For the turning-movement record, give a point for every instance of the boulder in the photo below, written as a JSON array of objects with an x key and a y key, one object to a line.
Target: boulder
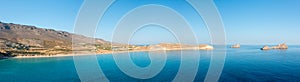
[{"x": 2, "y": 51}]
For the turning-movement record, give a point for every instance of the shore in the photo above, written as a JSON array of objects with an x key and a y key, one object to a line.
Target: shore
[
  {"x": 77, "y": 54},
  {"x": 86, "y": 53}
]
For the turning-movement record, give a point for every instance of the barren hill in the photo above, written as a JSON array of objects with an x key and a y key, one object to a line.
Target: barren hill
[{"x": 24, "y": 37}]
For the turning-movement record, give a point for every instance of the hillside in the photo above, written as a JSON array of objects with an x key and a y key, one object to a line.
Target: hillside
[{"x": 25, "y": 39}]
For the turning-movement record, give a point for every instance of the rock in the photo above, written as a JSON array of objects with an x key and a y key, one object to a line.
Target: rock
[
  {"x": 265, "y": 48},
  {"x": 236, "y": 46},
  {"x": 279, "y": 46},
  {"x": 205, "y": 47},
  {"x": 2, "y": 51},
  {"x": 17, "y": 46}
]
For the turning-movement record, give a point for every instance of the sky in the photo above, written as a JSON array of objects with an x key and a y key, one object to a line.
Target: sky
[{"x": 245, "y": 21}]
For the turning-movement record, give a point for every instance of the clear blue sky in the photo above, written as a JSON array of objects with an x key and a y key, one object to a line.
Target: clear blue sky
[{"x": 245, "y": 21}]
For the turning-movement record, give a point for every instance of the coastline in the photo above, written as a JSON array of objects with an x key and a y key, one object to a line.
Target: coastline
[
  {"x": 87, "y": 54},
  {"x": 67, "y": 55},
  {"x": 81, "y": 54}
]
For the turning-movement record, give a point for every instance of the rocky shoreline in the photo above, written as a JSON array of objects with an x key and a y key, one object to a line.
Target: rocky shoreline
[
  {"x": 156, "y": 47},
  {"x": 122, "y": 49}
]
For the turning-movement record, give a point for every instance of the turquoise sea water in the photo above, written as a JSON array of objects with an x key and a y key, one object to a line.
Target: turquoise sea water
[{"x": 245, "y": 64}]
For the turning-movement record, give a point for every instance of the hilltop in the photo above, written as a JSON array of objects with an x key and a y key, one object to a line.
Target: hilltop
[{"x": 17, "y": 39}]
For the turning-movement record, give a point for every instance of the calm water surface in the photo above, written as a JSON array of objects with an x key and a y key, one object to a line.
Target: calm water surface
[{"x": 245, "y": 64}]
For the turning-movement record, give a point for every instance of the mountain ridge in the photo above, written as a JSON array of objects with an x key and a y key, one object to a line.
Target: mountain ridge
[{"x": 17, "y": 37}]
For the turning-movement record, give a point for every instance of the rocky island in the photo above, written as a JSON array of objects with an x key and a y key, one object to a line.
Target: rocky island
[
  {"x": 236, "y": 46},
  {"x": 279, "y": 46}
]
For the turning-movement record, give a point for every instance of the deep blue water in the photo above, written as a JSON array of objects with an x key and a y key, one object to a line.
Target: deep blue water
[{"x": 245, "y": 64}]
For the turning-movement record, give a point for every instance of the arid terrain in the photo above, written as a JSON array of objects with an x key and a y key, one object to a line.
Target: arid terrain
[{"x": 24, "y": 40}]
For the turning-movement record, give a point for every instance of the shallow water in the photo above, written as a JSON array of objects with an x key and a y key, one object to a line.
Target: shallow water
[{"x": 245, "y": 64}]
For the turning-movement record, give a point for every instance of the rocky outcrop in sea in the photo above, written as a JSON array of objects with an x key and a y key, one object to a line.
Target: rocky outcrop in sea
[
  {"x": 236, "y": 46},
  {"x": 279, "y": 46}
]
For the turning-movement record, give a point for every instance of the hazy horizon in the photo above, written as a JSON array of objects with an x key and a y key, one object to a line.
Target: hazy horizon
[
  {"x": 254, "y": 22},
  {"x": 150, "y": 40}
]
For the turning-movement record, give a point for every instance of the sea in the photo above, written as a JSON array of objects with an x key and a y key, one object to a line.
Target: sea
[{"x": 245, "y": 64}]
